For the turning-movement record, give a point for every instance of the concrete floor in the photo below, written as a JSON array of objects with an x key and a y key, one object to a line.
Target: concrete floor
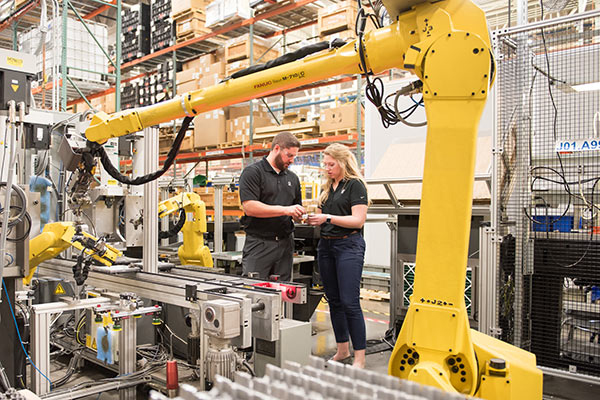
[{"x": 376, "y": 318}]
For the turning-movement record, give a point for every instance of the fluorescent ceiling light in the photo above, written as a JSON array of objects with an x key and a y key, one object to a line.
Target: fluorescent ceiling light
[{"x": 586, "y": 87}]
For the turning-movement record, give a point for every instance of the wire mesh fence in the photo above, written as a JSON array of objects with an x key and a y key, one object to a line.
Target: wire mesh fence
[{"x": 548, "y": 197}]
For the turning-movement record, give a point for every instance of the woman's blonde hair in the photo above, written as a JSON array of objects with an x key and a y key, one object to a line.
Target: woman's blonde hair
[{"x": 350, "y": 169}]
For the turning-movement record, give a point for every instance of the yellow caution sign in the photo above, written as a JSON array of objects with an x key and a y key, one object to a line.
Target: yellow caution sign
[
  {"x": 59, "y": 289},
  {"x": 15, "y": 62},
  {"x": 15, "y": 88}
]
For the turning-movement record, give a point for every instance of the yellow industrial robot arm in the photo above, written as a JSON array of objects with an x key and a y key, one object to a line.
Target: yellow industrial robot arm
[
  {"x": 58, "y": 237},
  {"x": 193, "y": 251},
  {"x": 446, "y": 44}
]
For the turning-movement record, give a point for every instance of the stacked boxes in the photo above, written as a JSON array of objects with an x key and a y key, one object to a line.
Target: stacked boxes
[
  {"x": 161, "y": 24},
  {"x": 222, "y": 12},
  {"x": 339, "y": 21},
  {"x": 238, "y": 124},
  {"x": 209, "y": 129},
  {"x": 338, "y": 17},
  {"x": 104, "y": 103},
  {"x": 237, "y": 53},
  {"x": 135, "y": 36},
  {"x": 204, "y": 71},
  {"x": 190, "y": 17},
  {"x": 340, "y": 118},
  {"x": 82, "y": 50}
]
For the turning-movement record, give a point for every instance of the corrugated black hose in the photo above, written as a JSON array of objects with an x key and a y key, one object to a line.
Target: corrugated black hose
[{"x": 113, "y": 171}]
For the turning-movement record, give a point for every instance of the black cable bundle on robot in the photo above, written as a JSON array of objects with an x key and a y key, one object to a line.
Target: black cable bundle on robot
[
  {"x": 140, "y": 180},
  {"x": 289, "y": 57},
  {"x": 175, "y": 229}
]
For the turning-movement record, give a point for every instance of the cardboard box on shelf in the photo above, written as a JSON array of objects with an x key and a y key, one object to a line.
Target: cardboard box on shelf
[
  {"x": 109, "y": 103},
  {"x": 294, "y": 116},
  {"x": 238, "y": 129},
  {"x": 231, "y": 199},
  {"x": 188, "y": 75},
  {"x": 179, "y": 7},
  {"x": 239, "y": 49},
  {"x": 339, "y": 118},
  {"x": 243, "y": 110},
  {"x": 348, "y": 34},
  {"x": 207, "y": 195},
  {"x": 187, "y": 87},
  {"x": 338, "y": 17},
  {"x": 209, "y": 80},
  {"x": 187, "y": 26},
  {"x": 188, "y": 141},
  {"x": 217, "y": 67},
  {"x": 236, "y": 66},
  {"x": 164, "y": 144},
  {"x": 209, "y": 129}
]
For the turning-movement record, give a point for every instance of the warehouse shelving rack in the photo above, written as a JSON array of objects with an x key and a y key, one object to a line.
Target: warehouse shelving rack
[
  {"x": 294, "y": 15},
  {"x": 28, "y": 17}
]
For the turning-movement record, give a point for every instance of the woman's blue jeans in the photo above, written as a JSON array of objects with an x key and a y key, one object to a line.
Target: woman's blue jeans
[{"x": 341, "y": 264}]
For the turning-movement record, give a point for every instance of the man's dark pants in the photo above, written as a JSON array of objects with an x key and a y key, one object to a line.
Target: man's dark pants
[{"x": 269, "y": 256}]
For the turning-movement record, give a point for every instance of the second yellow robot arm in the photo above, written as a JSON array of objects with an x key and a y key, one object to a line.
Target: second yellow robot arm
[
  {"x": 58, "y": 237},
  {"x": 193, "y": 251}
]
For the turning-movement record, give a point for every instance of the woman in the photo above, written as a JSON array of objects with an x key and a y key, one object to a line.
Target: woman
[{"x": 341, "y": 214}]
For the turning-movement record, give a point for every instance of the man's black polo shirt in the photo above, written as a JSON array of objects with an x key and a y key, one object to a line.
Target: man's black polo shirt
[
  {"x": 259, "y": 181},
  {"x": 340, "y": 201}
]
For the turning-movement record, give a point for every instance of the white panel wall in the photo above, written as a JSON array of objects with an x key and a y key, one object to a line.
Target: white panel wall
[{"x": 377, "y": 141}]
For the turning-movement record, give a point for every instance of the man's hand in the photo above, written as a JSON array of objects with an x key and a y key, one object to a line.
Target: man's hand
[{"x": 296, "y": 211}]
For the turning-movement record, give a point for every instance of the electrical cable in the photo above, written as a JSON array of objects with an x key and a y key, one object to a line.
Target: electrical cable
[
  {"x": 290, "y": 57},
  {"x": 561, "y": 174},
  {"x": 14, "y": 220},
  {"x": 176, "y": 229},
  {"x": 25, "y": 234},
  {"x": 19, "y": 335},
  {"x": 113, "y": 171},
  {"x": 249, "y": 368}
]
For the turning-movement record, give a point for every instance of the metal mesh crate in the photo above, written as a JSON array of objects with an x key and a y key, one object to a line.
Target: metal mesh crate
[
  {"x": 548, "y": 169},
  {"x": 409, "y": 278}
]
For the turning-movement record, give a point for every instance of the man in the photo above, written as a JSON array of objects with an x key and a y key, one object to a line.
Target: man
[{"x": 271, "y": 198}]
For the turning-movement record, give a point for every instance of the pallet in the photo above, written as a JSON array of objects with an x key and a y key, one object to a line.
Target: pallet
[
  {"x": 267, "y": 137},
  {"x": 338, "y": 132},
  {"x": 309, "y": 128},
  {"x": 193, "y": 35},
  {"x": 206, "y": 148},
  {"x": 190, "y": 12},
  {"x": 233, "y": 143},
  {"x": 375, "y": 295}
]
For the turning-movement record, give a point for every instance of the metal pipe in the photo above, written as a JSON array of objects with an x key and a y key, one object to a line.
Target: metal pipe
[
  {"x": 77, "y": 394},
  {"x": 415, "y": 179},
  {"x": 258, "y": 307},
  {"x": 127, "y": 355},
  {"x": 9, "y": 182}
]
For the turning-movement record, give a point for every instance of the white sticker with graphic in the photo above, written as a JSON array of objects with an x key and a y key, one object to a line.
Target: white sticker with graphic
[{"x": 577, "y": 145}]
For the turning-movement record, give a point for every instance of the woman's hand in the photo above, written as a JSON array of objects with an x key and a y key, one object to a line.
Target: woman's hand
[{"x": 317, "y": 219}]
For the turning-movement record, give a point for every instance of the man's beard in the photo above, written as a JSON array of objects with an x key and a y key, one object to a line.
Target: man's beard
[{"x": 279, "y": 163}]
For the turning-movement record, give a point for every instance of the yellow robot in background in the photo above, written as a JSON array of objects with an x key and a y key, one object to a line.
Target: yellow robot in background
[
  {"x": 193, "y": 251},
  {"x": 58, "y": 237}
]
